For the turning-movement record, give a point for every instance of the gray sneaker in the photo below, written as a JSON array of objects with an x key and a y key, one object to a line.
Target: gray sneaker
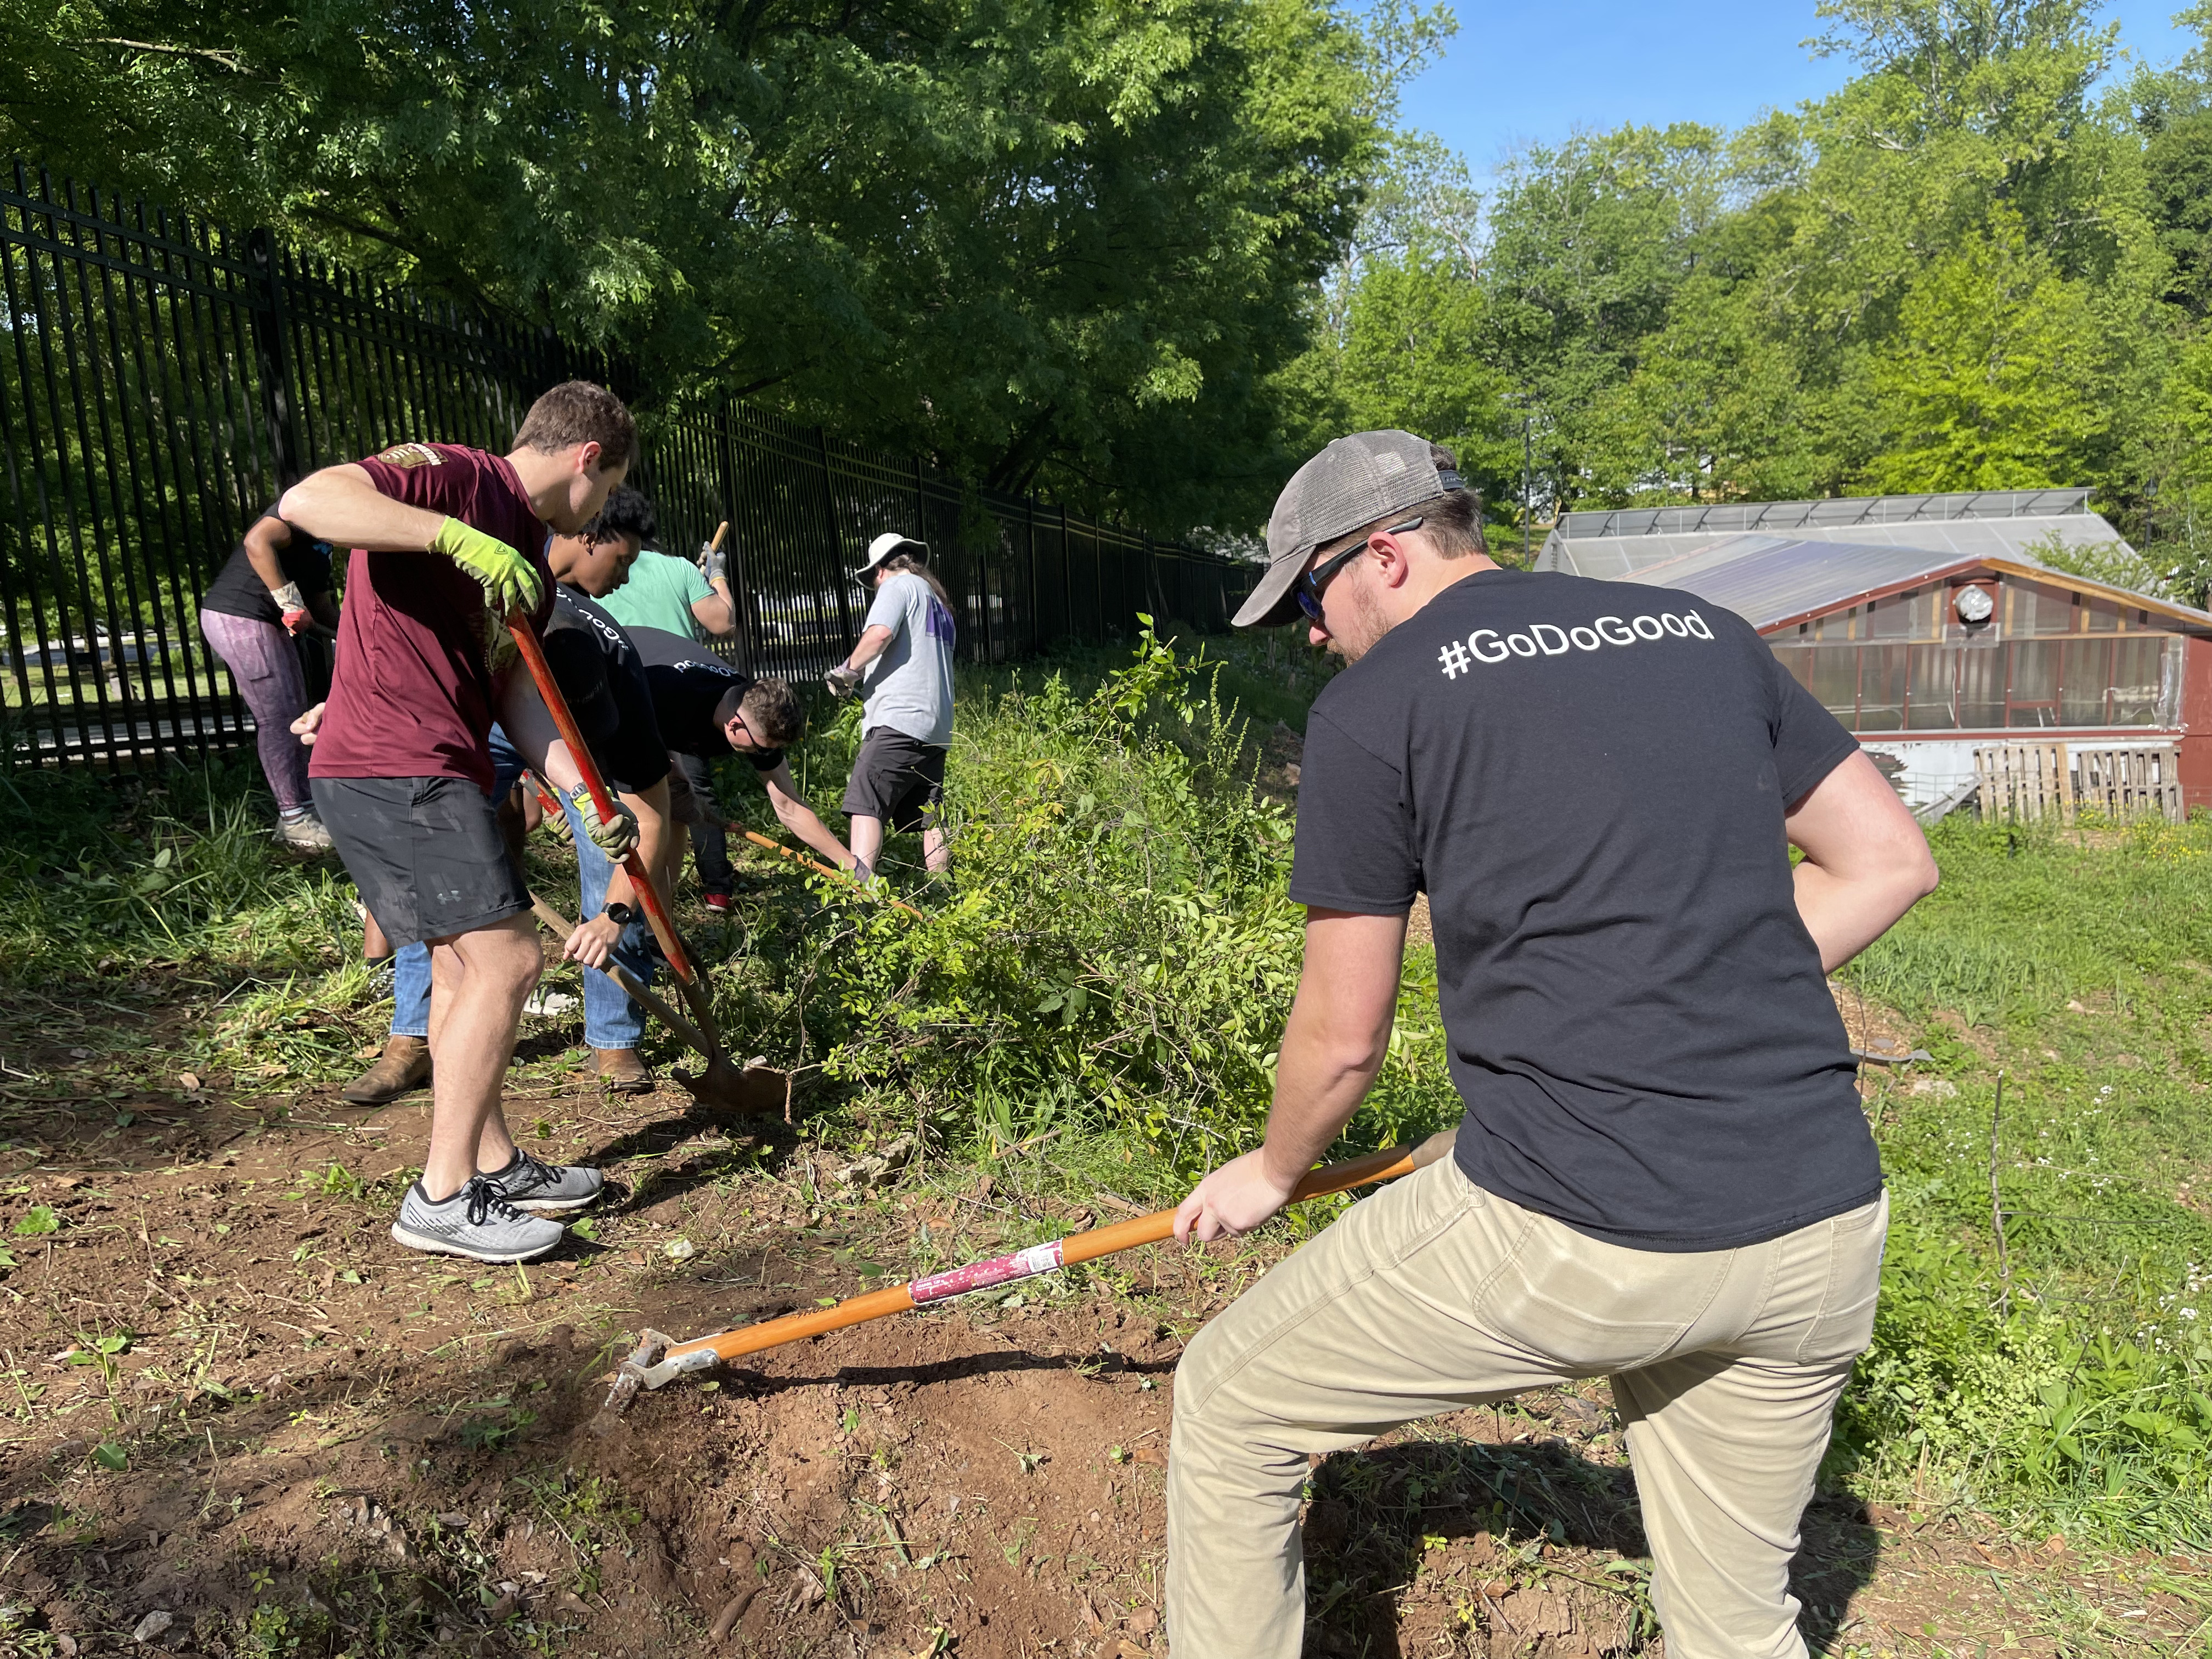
[
  {"x": 476, "y": 1222},
  {"x": 546, "y": 1188},
  {"x": 304, "y": 833}
]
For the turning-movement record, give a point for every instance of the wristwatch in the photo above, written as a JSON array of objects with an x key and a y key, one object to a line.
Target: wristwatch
[{"x": 621, "y": 915}]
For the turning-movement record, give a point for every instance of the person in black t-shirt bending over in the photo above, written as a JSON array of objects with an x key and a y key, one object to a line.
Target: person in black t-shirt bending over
[
  {"x": 275, "y": 585},
  {"x": 708, "y": 709},
  {"x": 1663, "y": 1174}
]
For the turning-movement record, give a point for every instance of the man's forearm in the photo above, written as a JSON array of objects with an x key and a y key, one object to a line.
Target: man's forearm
[
  {"x": 1866, "y": 860},
  {"x": 339, "y": 505},
  {"x": 1321, "y": 1076},
  {"x": 529, "y": 727},
  {"x": 1845, "y": 916},
  {"x": 718, "y": 612},
  {"x": 652, "y": 844},
  {"x": 874, "y": 642},
  {"x": 799, "y": 819}
]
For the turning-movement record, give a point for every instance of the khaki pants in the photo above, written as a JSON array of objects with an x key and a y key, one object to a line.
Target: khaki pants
[{"x": 1434, "y": 1295}]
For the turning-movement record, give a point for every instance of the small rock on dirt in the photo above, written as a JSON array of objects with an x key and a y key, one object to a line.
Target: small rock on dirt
[
  {"x": 878, "y": 1167},
  {"x": 152, "y": 1625}
]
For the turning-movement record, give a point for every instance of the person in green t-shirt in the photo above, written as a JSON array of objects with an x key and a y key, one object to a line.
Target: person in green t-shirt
[{"x": 673, "y": 595}]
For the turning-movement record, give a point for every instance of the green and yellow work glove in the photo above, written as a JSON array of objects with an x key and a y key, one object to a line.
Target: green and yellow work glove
[
  {"x": 617, "y": 836},
  {"x": 508, "y": 579}
]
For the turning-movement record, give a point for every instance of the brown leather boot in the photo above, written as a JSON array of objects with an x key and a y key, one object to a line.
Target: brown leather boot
[
  {"x": 622, "y": 1073},
  {"x": 403, "y": 1064}
]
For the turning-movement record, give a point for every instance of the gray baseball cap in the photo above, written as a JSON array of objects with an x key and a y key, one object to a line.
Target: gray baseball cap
[{"x": 1354, "y": 482}]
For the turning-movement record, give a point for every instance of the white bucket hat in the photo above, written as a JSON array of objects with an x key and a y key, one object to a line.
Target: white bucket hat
[{"x": 884, "y": 546}]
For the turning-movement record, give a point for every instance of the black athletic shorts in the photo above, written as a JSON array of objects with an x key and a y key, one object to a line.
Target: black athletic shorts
[
  {"x": 897, "y": 779},
  {"x": 427, "y": 853}
]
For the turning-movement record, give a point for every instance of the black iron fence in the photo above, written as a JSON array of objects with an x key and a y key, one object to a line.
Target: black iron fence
[
  {"x": 162, "y": 379},
  {"x": 802, "y": 506}
]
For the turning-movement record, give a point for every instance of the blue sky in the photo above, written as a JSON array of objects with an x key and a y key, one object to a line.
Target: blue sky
[{"x": 1517, "y": 71}]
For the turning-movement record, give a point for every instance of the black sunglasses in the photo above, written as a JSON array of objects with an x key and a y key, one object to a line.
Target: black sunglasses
[{"x": 1310, "y": 585}]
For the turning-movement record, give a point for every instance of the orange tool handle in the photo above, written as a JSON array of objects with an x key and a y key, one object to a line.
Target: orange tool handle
[
  {"x": 782, "y": 851},
  {"x": 533, "y": 655},
  {"x": 1385, "y": 1166}
]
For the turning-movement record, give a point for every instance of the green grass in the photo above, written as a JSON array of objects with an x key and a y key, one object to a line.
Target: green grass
[{"x": 2069, "y": 1383}]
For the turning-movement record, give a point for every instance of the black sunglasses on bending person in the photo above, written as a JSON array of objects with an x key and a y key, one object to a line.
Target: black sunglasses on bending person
[{"x": 1310, "y": 585}]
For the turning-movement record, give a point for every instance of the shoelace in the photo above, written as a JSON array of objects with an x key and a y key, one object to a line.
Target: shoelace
[
  {"x": 524, "y": 1174},
  {"x": 488, "y": 1198}
]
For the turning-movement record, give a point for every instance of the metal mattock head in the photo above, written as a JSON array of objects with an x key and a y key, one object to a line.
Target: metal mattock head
[{"x": 630, "y": 1374}]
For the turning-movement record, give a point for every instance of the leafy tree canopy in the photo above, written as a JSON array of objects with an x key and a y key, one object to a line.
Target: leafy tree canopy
[
  {"x": 1980, "y": 264},
  {"x": 1056, "y": 242}
]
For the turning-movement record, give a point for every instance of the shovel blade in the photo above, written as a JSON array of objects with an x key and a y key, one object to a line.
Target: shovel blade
[{"x": 756, "y": 1091}]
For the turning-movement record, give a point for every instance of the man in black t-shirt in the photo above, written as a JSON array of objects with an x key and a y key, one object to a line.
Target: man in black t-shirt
[
  {"x": 708, "y": 709},
  {"x": 1663, "y": 1174},
  {"x": 589, "y": 650}
]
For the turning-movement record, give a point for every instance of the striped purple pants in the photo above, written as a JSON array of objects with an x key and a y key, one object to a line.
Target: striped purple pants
[{"x": 264, "y": 666}]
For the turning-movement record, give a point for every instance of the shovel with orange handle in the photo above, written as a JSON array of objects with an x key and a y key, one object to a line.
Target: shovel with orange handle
[
  {"x": 660, "y": 1360},
  {"x": 722, "y": 1085}
]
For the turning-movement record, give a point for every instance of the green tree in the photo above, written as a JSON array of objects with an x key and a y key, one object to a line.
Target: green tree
[
  {"x": 1589, "y": 244},
  {"x": 1056, "y": 242},
  {"x": 1713, "y": 412},
  {"x": 1997, "y": 376}
]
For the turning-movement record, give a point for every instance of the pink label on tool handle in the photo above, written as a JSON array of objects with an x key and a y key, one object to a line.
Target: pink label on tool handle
[{"x": 981, "y": 1275}]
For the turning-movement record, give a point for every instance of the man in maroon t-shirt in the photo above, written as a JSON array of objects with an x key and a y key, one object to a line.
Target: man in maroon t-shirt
[{"x": 446, "y": 541}]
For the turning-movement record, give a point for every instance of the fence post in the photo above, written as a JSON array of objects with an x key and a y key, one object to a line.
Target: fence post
[
  {"x": 273, "y": 359},
  {"x": 1035, "y": 630},
  {"x": 837, "y": 542}
]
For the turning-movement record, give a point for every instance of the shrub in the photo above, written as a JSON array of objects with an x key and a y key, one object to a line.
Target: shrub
[{"x": 1120, "y": 948}]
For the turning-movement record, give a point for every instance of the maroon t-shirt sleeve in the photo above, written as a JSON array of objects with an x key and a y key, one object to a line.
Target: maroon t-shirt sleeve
[
  {"x": 411, "y": 696},
  {"x": 469, "y": 485}
]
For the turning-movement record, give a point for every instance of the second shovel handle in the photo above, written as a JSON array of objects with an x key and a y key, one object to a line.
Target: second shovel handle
[{"x": 533, "y": 656}]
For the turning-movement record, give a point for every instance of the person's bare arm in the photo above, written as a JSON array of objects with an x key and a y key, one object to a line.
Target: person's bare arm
[
  {"x": 262, "y": 543},
  {"x": 874, "y": 642},
  {"x": 792, "y": 812},
  {"x": 529, "y": 727},
  {"x": 1866, "y": 861},
  {"x": 339, "y": 505},
  {"x": 1334, "y": 1044},
  {"x": 718, "y": 612}
]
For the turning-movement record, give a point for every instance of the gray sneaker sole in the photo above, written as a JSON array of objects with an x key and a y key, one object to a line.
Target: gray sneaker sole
[
  {"x": 435, "y": 1245},
  {"x": 555, "y": 1205}
]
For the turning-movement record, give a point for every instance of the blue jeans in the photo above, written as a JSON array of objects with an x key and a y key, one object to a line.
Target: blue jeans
[{"x": 611, "y": 1020}]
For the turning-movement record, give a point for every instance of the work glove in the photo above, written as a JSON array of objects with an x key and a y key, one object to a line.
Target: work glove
[
  {"x": 552, "y": 820},
  {"x": 714, "y": 562},
  {"x": 509, "y": 579},
  {"x": 842, "y": 680},
  {"x": 616, "y": 836},
  {"x": 293, "y": 604}
]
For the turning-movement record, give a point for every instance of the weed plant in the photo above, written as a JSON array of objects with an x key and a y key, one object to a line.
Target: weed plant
[
  {"x": 121, "y": 874},
  {"x": 1118, "y": 953}
]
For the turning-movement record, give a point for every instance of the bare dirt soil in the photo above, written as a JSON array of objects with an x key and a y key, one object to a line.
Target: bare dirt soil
[{"x": 240, "y": 1421}]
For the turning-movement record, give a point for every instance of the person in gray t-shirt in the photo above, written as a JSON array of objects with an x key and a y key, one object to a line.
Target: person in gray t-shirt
[{"x": 903, "y": 664}]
